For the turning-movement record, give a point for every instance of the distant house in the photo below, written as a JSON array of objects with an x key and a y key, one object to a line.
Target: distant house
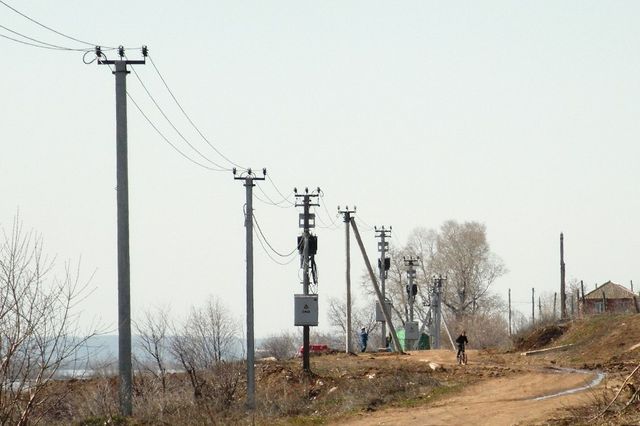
[{"x": 610, "y": 298}]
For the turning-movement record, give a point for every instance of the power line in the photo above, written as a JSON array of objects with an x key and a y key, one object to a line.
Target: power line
[
  {"x": 269, "y": 201},
  {"x": 189, "y": 118},
  {"x": 368, "y": 227},
  {"x": 334, "y": 225},
  {"x": 48, "y": 28},
  {"x": 267, "y": 241},
  {"x": 42, "y": 44},
  {"x": 269, "y": 254},
  {"x": 324, "y": 224},
  {"x": 280, "y": 193},
  {"x": 172, "y": 125},
  {"x": 169, "y": 142}
]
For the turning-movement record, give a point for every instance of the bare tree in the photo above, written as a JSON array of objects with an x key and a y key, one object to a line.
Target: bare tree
[
  {"x": 463, "y": 255},
  {"x": 153, "y": 336},
  {"x": 39, "y": 326},
  {"x": 362, "y": 316},
  {"x": 459, "y": 252},
  {"x": 282, "y": 345},
  {"x": 203, "y": 341}
]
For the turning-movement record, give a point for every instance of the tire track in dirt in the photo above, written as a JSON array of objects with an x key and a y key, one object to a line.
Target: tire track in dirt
[{"x": 506, "y": 400}]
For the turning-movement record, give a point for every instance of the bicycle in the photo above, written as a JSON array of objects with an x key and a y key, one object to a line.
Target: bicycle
[{"x": 462, "y": 356}]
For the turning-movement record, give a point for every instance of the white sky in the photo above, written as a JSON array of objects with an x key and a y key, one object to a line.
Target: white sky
[{"x": 520, "y": 115}]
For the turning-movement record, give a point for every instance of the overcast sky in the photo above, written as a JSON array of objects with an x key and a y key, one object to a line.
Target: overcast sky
[{"x": 519, "y": 115}]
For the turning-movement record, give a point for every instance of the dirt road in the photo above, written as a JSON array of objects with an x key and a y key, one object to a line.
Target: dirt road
[{"x": 498, "y": 401}]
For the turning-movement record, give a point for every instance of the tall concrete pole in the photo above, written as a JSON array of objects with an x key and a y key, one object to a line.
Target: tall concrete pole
[
  {"x": 383, "y": 276},
  {"x": 248, "y": 179},
  {"x": 124, "y": 292},
  {"x": 410, "y": 263},
  {"x": 509, "y": 312},
  {"x": 347, "y": 220},
  {"x": 306, "y": 254},
  {"x": 563, "y": 294},
  {"x": 533, "y": 306},
  {"x": 437, "y": 292},
  {"x": 306, "y": 366},
  {"x": 382, "y": 248},
  {"x": 251, "y": 381},
  {"x": 124, "y": 272}
]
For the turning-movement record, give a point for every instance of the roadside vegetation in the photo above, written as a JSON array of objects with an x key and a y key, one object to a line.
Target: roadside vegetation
[{"x": 190, "y": 371}]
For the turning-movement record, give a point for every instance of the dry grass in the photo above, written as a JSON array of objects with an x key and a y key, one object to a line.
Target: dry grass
[{"x": 339, "y": 386}]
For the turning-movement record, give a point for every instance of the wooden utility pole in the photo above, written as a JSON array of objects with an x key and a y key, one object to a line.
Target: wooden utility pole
[{"x": 555, "y": 297}]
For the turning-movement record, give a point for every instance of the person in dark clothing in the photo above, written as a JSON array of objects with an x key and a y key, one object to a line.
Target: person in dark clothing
[
  {"x": 364, "y": 338},
  {"x": 461, "y": 341}
]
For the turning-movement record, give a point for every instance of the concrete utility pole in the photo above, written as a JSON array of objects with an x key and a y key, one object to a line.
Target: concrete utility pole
[
  {"x": 412, "y": 291},
  {"x": 437, "y": 310},
  {"x": 372, "y": 275},
  {"x": 509, "y": 312},
  {"x": 383, "y": 265},
  {"x": 581, "y": 305},
  {"x": 249, "y": 177},
  {"x": 533, "y": 306},
  {"x": 122, "y": 177},
  {"x": 346, "y": 213},
  {"x": 412, "y": 288},
  {"x": 563, "y": 294},
  {"x": 306, "y": 221},
  {"x": 540, "y": 307}
]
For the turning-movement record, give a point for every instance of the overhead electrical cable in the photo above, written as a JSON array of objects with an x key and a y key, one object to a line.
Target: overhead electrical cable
[
  {"x": 267, "y": 241},
  {"x": 333, "y": 220},
  {"x": 367, "y": 226},
  {"x": 189, "y": 118},
  {"x": 27, "y": 43},
  {"x": 279, "y": 192},
  {"x": 323, "y": 224},
  {"x": 204, "y": 166},
  {"x": 174, "y": 127},
  {"x": 271, "y": 257},
  {"x": 47, "y": 27},
  {"x": 271, "y": 202},
  {"x": 42, "y": 44}
]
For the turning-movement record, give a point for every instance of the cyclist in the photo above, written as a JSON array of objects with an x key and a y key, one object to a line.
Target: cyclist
[{"x": 461, "y": 341}]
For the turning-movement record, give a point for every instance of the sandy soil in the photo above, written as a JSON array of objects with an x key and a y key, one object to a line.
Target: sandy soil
[{"x": 497, "y": 401}]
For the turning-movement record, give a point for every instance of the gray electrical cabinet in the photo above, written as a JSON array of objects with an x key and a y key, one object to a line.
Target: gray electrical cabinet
[
  {"x": 379, "y": 314},
  {"x": 305, "y": 309},
  {"x": 411, "y": 330}
]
